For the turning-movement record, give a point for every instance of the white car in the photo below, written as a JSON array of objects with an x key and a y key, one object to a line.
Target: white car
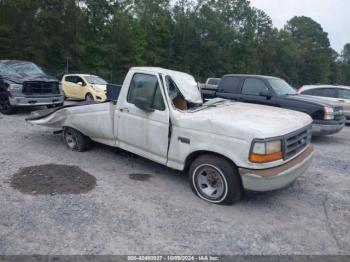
[
  {"x": 340, "y": 94},
  {"x": 225, "y": 146}
]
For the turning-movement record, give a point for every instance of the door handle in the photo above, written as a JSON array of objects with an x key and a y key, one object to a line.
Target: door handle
[
  {"x": 342, "y": 101},
  {"x": 125, "y": 110}
]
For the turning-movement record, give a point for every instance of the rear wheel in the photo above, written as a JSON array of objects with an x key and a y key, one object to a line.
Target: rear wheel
[
  {"x": 75, "y": 140},
  {"x": 5, "y": 107},
  {"x": 216, "y": 180},
  {"x": 89, "y": 97}
]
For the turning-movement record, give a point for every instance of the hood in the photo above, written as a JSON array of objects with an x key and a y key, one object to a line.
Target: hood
[
  {"x": 21, "y": 78},
  {"x": 315, "y": 100},
  {"x": 241, "y": 119}
]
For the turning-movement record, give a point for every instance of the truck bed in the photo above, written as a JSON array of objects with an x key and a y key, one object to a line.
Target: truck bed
[{"x": 112, "y": 91}]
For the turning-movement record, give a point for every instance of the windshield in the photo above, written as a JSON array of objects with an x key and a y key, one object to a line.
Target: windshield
[
  {"x": 281, "y": 87},
  {"x": 26, "y": 68},
  {"x": 95, "y": 80},
  {"x": 214, "y": 81},
  {"x": 5, "y": 69}
]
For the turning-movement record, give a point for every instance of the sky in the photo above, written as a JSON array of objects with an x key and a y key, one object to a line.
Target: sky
[{"x": 333, "y": 15}]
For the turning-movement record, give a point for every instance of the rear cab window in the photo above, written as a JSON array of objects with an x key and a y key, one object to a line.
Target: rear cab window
[
  {"x": 230, "y": 84},
  {"x": 213, "y": 81}
]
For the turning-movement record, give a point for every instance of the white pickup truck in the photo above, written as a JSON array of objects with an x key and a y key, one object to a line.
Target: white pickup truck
[{"x": 225, "y": 146}]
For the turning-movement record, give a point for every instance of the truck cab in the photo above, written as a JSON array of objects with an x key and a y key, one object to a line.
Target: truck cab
[{"x": 224, "y": 146}]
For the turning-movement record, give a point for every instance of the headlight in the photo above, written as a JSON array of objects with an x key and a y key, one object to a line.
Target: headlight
[
  {"x": 14, "y": 87},
  {"x": 263, "y": 152},
  {"x": 328, "y": 113}
]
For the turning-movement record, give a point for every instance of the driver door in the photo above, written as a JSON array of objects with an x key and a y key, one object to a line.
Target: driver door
[
  {"x": 251, "y": 92},
  {"x": 77, "y": 89},
  {"x": 145, "y": 133}
]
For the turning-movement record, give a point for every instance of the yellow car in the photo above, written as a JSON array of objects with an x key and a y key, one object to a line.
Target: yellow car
[{"x": 84, "y": 87}]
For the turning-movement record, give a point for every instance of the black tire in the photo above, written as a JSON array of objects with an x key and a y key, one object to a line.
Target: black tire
[
  {"x": 75, "y": 140},
  {"x": 89, "y": 97},
  {"x": 5, "y": 107},
  {"x": 215, "y": 174}
]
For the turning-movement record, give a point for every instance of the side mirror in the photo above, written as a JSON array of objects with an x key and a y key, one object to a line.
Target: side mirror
[
  {"x": 80, "y": 83},
  {"x": 265, "y": 94},
  {"x": 143, "y": 104}
]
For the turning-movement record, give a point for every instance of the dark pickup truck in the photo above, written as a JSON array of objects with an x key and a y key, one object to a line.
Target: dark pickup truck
[
  {"x": 25, "y": 84},
  {"x": 328, "y": 118}
]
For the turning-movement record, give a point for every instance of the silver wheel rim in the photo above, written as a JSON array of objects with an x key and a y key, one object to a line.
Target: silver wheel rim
[
  {"x": 210, "y": 183},
  {"x": 70, "y": 140}
]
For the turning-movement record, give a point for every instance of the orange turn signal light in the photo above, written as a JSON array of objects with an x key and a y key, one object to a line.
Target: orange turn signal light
[{"x": 266, "y": 158}]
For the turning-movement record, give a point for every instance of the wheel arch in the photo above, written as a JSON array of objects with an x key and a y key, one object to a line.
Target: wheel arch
[
  {"x": 191, "y": 157},
  {"x": 74, "y": 127},
  {"x": 235, "y": 176}
]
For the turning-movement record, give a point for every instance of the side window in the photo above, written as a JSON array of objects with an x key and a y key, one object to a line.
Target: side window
[
  {"x": 70, "y": 79},
  {"x": 229, "y": 84},
  {"x": 310, "y": 92},
  {"x": 325, "y": 92},
  {"x": 79, "y": 79},
  {"x": 344, "y": 93},
  {"x": 254, "y": 87},
  {"x": 146, "y": 86}
]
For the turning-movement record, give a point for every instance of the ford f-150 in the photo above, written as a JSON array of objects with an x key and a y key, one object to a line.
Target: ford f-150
[{"x": 225, "y": 146}]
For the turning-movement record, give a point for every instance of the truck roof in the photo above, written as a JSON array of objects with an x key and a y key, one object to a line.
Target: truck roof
[
  {"x": 159, "y": 70},
  {"x": 255, "y": 76}
]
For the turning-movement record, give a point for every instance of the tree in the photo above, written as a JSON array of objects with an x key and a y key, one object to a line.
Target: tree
[{"x": 314, "y": 52}]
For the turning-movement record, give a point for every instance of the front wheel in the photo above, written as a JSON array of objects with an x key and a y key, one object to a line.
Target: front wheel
[
  {"x": 5, "y": 107},
  {"x": 89, "y": 97},
  {"x": 75, "y": 140},
  {"x": 215, "y": 180}
]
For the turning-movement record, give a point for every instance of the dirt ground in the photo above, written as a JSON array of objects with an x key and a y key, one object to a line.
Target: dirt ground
[{"x": 107, "y": 201}]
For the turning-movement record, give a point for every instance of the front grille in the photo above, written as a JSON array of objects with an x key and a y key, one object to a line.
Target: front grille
[
  {"x": 297, "y": 141},
  {"x": 30, "y": 88}
]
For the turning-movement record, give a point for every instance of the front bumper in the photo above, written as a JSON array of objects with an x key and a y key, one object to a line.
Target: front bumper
[
  {"x": 323, "y": 128},
  {"x": 36, "y": 101},
  {"x": 277, "y": 177}
]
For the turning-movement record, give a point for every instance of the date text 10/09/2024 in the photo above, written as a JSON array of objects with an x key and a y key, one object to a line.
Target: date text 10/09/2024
[{"x": 173, "y": 258}]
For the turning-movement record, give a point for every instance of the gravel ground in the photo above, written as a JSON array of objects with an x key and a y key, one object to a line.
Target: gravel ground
[{"x": 139, "y": 207}]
